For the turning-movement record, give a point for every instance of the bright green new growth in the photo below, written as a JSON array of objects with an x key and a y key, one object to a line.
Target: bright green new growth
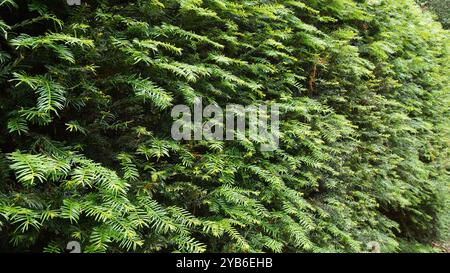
[{"x": 86, "y": 152}]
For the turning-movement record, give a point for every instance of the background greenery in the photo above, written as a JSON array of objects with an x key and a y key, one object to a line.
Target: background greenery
[
  {"x": 86, "y": 152},
  {"x": 440, "y": 7}
]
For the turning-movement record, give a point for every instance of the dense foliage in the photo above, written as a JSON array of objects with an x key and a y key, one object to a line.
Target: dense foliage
[
  {"x": 86, "y": 152},
  {"x": 439, "y": 7}
]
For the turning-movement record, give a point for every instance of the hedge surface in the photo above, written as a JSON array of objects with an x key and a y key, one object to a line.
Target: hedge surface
[{"x": 86, "y": 152}]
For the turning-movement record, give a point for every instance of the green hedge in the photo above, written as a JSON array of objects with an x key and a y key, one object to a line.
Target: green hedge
[{"x": 87, "y": 155}]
